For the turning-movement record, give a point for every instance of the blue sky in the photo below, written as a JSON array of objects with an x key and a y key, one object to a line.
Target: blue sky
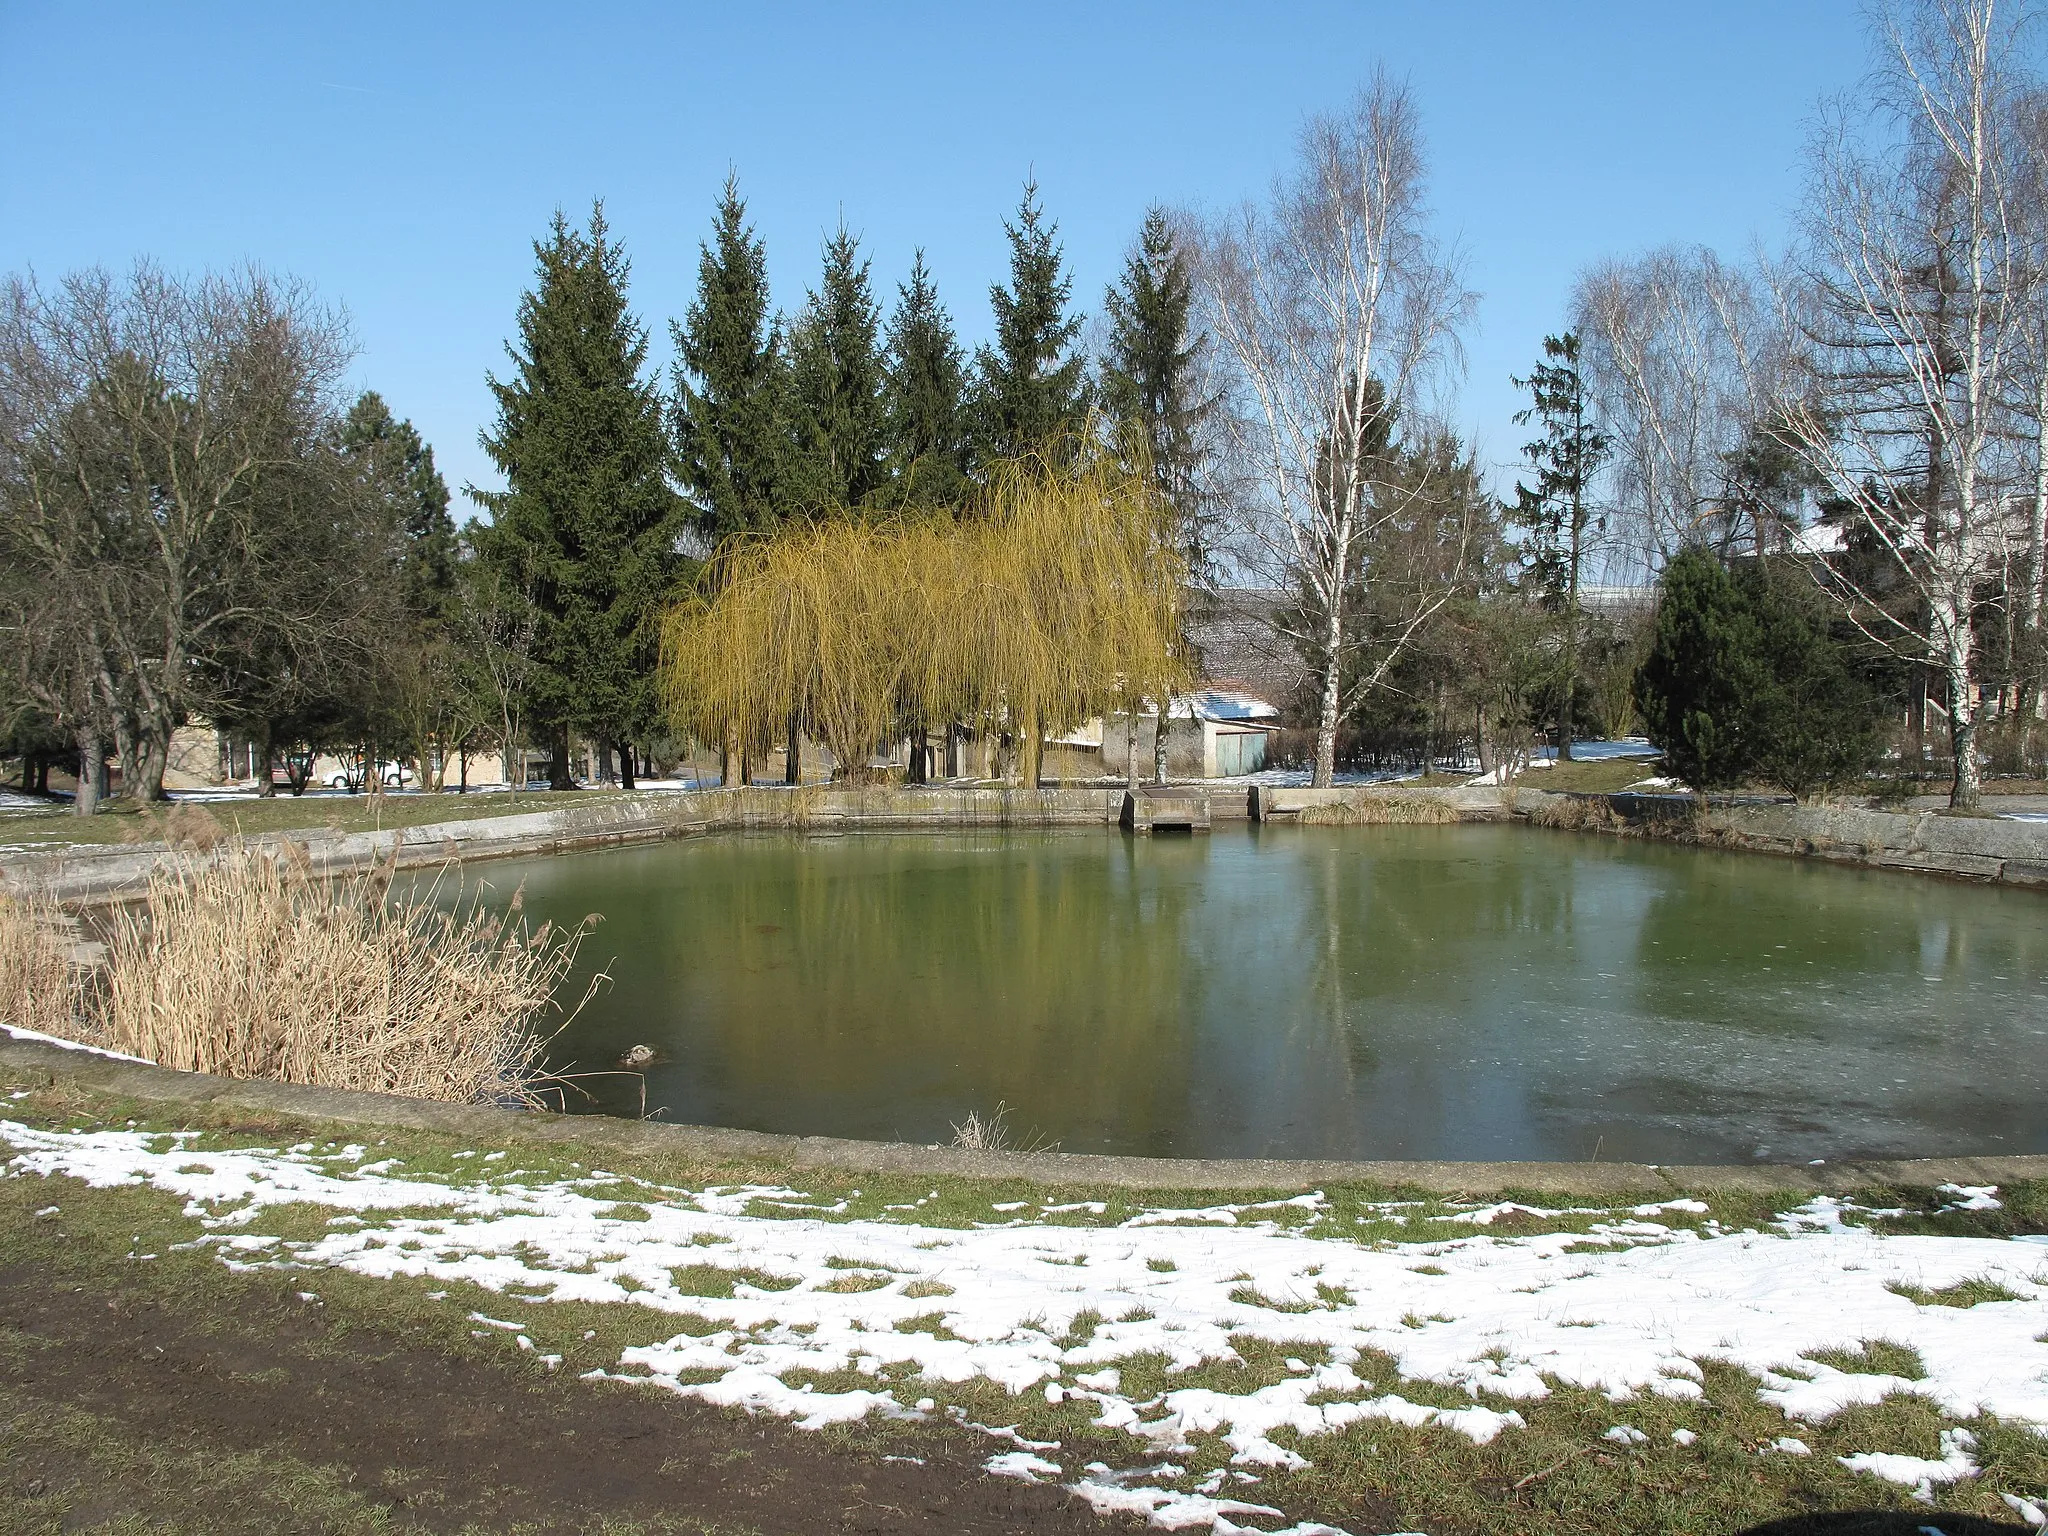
[{"x": 403, "y": 157}]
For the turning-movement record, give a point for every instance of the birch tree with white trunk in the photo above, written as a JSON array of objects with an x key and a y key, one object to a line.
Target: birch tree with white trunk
[
  {"x": 2029, "y": 596},
  {"x": 1907, "y": 286},
  {"x": 1335, "y": 312}
]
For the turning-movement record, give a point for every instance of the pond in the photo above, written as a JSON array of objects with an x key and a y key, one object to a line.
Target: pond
[{"x": 1482, "y": 992}]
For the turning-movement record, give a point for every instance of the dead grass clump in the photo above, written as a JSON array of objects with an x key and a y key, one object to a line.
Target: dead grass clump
[
  {"x": 991, "y": 1133},
  {"x": 241, "y": 967},
  {"x": 38, "y": 987},
  {"x": 1573, "y": 813},
  {"x": 192, "y": 825},
  {"x": 1382, "y": 811},
  {"x": 975, "y": 1134}
]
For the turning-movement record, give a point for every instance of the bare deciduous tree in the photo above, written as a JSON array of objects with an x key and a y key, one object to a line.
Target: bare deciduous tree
[
  {"x": 162, "y": 440},
  {"x": 1335, "y": 311},
  {"x": 498, "y": 621},
  {"x": 1908, "y": 286},
  {"x": 2028, "y": 601},
  {"x": 1679, "y": 356}
]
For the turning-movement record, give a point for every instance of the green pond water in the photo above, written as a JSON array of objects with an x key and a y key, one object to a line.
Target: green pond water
[{"x": 1439, "y": 992}]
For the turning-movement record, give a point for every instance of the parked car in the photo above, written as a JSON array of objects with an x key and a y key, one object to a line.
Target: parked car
[{"x": 350, "y": 776}]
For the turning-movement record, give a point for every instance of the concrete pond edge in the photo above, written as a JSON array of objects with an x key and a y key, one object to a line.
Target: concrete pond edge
[{"x": 60, "y": 1066}]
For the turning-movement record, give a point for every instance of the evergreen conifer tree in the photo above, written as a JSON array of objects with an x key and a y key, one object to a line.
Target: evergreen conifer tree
[
  {"x": 1696, "y": 688},
  {"x": 1031, "y": 387},
  {"x": 1151, "y": 396},
  {"x": 396, "y": 468},
  {"x": 728, "y": 412},
  {"x": 925, "y": 395},
  {"x": 839, "y": 454},
  {"x": 1556, "y": 511},
  {"x": 587, "y": 521},
  {"x": 1815, "y": 727},
  {"x": 1746, "y": 680},
  {"x": 1149, "y": 386}
]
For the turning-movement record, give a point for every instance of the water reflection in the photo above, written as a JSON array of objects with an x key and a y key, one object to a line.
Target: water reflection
[{"x": 1473, "y": 992}]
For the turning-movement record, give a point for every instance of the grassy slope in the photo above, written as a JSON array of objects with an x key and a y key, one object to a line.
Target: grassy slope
[{"x": 1557, "y": 1476}]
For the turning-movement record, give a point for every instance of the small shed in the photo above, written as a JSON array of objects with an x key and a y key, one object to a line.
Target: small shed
[{"x": 1217, "y": 732}]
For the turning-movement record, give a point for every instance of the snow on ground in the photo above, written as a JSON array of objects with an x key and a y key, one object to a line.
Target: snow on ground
[
  {"x": 1601, "y": 751},
  {"x": 16, "y": 1032},
  {"x": 1584, "y": 752},
  {"x": 1631, "y": 1308},
  {"x": 1297, "y": 778}
]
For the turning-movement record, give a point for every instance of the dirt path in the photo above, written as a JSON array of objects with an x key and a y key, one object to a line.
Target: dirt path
[{"x": 106, "y": 1395}]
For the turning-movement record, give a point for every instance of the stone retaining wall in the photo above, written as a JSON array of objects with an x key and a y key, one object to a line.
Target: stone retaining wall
[
  {"x": 1284, "y": 803},
  {"x": 85, "y": 875},
  {"x": 1974, "y": 848},
  {"x": 1987, "y": 848}
]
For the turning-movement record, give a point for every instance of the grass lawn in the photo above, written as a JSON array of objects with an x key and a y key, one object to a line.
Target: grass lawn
[
  {"x": 1602, "y": 777},
  {"x": 159, "y": 1378},
  {"x": 316, "y": 809}
]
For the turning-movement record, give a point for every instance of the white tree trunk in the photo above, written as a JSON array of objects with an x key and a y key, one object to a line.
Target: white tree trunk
[
  {"x": 2034, "y": 675},
  {"x": 1330, "y": 706}
]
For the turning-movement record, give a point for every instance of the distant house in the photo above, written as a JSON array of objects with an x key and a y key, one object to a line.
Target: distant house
[
  {"x": 1237, "y": 637},
  {"x": 1617, "y": 601},
  {"x": 1217, "y": 732}
]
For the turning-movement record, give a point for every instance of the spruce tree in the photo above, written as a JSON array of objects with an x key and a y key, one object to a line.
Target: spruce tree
[
  {"x": 1815, "y": 727},
  {"x": 1747, "y": 680},
  {"x": 728, "y": 412},
  {"x": 1556, "y": 510},
  {"x": 1706, "y": 667},
  {"x": 587, "y": 521},
  {"x": 925, "y": 395},
  {"x": 1151, "y": 396},
  {"x": 396, "y": 468},
  {"x": 1149, "y": 386},
  {"x": 1031, "y": 388},
  {"x": 839, "y": 447}
]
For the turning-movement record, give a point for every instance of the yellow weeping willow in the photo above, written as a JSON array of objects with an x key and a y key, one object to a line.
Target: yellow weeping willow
[{"x": 1058, "y": 597}]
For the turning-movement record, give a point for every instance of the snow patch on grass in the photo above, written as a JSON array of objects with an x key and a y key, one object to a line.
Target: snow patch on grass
[
  {"x": 1628, "y": 1308},
  {"x": 1918, "y": 1472}
]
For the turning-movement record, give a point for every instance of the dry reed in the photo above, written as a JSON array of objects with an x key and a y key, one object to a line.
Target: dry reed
[
  {"x": 242, "y": 967},
  {"x": 1382, "y": 811},
  {"x": 39, "y": 989},
  {"x": 1571, "y": 813},
  {"x": 992, "y": 1134}
]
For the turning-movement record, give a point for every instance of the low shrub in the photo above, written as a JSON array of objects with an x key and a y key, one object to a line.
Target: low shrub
[
  {"x": 243, "y": 967},
  {"x": 2015, "y": 748}
]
